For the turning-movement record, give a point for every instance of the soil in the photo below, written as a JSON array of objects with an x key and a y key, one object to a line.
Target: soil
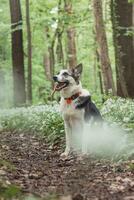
[{"x": 36, "y": 167}]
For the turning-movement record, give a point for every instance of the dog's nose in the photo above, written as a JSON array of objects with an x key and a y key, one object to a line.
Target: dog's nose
[{"x": 55, "y": 78}]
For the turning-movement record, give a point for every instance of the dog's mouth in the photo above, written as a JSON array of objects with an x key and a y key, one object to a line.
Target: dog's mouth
[{"x": 60, "y": 85}]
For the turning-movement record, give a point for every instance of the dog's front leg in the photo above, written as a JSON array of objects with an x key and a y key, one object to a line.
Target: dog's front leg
[
  {"x": 68, "y": 135},
  {"x": 77, "y": 131}
]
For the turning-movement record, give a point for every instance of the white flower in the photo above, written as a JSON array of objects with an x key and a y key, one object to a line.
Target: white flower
[{"x": 126, "y": 119}]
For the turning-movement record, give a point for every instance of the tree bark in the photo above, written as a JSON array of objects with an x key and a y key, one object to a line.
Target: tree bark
[
  {"x": 71, "y": 45},
  {"x": 47, "y": 66},
  {"x": 59, "y": 48},
  {"x": 103, "y": 48},
  {"x": 120, "y": 81},
  {"x": 123, "y": 15},
  {"x": 17, "y": 53},
  {"x": 29, "y": 50},
  {"x": 59, "y": 51},
  {"x": 99, "y": 74},
  {"x": 2, "y": 89},
  {"x": 133, "y": 23},
  {"x": 49, "y": 57}
]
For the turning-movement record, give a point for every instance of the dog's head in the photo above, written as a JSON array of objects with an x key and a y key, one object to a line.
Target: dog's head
[{"x": 66, "y": 78}]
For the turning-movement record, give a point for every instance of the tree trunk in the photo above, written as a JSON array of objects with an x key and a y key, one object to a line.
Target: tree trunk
[
  {"x": 99, "y": 74},
  {"x": 71, "y": 45},
  {"x": 52, "y": 61},
  {"x": 49, "y": 57},
  {"x": 47, "y": 66},
  {"x": 103, "y": 47},
  {"x": 133, "y": 23},
  {"x": 29, "y": 49},
  {"x": 59, "y": 51},
  {"x": 120, "y": 81},
  {"x": 59, "y": 48},
  {"x": 49, "y": 61},
  {"x": 2, "y": 89},
  {"x": 17, "y": 53},
  {"x": 122, "y": 21}
]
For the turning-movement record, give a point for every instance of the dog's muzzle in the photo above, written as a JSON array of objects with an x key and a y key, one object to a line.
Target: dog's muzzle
[{"x": 60, "y": 85}]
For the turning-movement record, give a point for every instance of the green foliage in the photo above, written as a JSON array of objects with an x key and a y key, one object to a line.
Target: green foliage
[
  {"x": 45, "y": 14},
  {"x": 9, "y": 192},
  {"x": 44, "y": 120},
  {"x": 131, "y": 167},
  {"x": 120, "y": 111},
  {"x": 6, "y": 164}
]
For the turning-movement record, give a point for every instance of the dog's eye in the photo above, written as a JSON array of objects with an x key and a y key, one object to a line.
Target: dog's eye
[{"x": 65, "y": 74}]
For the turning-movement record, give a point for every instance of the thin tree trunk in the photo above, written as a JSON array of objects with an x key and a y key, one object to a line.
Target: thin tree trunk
[
  {"x": 59, "y": 48},
  {"x": 3, "y": 99},
  {"x": 29, "y": 49},
  {"x": 123, "y": 13},
  {"x": 95, "y": 66},
  {"x": 103, "y": 47},
  {"x": 71, "y": 45},
  {"x": 52, "y": 61},
  {"x": 17, "y": 53},
  {"x": 59, "y": 51},
  {"x": 49, "y": 57},
  {"x": 95, "y": 72},
  {"x": 99, "y": 74},
  {"x": 49, "y": 61},
  {"x": 47, "y": 66}
]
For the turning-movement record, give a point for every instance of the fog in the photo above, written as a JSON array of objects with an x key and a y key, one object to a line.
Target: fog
[{"x": 105, "y": 141}]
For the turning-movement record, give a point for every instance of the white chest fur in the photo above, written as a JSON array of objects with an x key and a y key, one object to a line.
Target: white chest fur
[{"x": 70, "y": 110}]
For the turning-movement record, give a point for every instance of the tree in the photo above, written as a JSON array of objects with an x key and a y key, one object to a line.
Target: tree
[
  {"x": 49, "y": 57},
  {"x": 29, "y": 50},
  {"x": 17, "y": 53},
  {"x": 103, "y": 47},
  {"x": 2, "y": 88},
  {"x": 122, "y": 15},
  {"x": 60, "y": 29},
  {"x": 121, "y": 84},
  {"x": 71, "y": 46}
]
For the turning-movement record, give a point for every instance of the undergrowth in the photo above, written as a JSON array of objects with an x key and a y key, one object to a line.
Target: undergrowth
[
  {"x": 46, "y": 119},
  {"x": 120, "y": 111}
]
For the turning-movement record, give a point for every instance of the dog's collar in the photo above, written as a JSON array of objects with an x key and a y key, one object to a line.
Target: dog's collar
[{"x": 73, "y": 97}]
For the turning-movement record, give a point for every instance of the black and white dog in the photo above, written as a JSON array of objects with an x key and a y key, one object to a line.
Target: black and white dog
[{"x": 75, "y": 105}]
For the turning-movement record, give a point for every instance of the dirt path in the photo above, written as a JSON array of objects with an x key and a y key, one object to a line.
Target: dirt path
[{"x": 37, "y": 168}]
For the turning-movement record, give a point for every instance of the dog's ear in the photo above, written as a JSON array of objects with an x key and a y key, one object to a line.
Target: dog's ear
[{"x": 77, "y": 71}]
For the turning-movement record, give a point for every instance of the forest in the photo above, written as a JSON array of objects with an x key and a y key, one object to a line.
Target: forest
[{"x": 38, "y": 39}]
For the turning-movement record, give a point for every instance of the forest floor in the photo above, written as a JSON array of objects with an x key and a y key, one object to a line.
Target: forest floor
[{"x": 36, "y": 168}]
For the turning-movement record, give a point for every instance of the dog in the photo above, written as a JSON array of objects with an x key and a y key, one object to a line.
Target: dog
[{"x": 76, "y": 105}]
